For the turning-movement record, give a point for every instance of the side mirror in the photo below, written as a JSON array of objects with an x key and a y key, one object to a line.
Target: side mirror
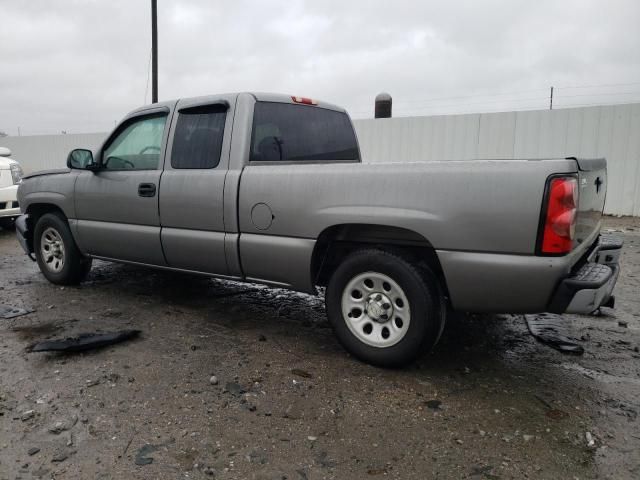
[{"x": 80, "y": 158}]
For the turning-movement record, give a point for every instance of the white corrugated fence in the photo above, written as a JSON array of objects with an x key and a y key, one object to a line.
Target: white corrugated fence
[
  {"x": 46, "y": 152},
  {"x": 611, "y": 131}
]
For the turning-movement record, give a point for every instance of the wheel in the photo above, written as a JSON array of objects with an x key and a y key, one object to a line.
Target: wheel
[
  {"x": 57, "y": 254},
  {"x": 383, "y": 309},
  {"x": 7, "y": 223}
]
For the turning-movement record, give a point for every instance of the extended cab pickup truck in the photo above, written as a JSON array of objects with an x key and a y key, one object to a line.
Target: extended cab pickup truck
[{"x": 270, "y": 188}]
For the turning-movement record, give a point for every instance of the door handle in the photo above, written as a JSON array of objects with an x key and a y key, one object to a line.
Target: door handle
[{"x": 147, "y": 190}]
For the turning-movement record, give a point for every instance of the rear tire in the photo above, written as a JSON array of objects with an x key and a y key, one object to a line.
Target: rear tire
[
  {"x": 57, "y": 254},
  {"x": 383, "y": 309}
]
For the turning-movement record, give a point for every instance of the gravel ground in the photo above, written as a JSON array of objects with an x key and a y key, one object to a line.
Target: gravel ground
[{"x": 489, "y": 402}]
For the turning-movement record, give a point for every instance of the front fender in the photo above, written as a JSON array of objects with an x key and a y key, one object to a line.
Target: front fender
[{"x": 54, "y": 190}]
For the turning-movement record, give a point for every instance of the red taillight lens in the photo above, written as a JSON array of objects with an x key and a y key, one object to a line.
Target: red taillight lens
[{"x": 560, "y": 217}]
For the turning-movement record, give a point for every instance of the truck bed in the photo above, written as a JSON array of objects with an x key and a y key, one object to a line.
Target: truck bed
[
  {"x": 482, "y": 206},
  {"x": 481, "y": 217}
]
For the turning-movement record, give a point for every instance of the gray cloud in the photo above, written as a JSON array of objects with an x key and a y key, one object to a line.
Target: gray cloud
[{"x": 80, "y": 65}]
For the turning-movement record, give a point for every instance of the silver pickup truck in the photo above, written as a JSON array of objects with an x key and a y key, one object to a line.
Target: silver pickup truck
[{"x": 270, "y": 188}]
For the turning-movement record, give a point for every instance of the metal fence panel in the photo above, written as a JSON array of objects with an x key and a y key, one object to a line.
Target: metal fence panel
[{"x": 611, "y": 131}]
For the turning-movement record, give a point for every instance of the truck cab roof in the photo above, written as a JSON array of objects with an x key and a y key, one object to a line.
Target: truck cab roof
[{"x": 231, "y": 97}]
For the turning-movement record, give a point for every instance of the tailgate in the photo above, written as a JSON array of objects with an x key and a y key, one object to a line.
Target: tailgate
[{"x": 592, "y": 187}]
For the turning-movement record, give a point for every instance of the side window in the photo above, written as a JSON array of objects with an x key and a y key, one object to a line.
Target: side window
[
  {"x": 283, "y": 132},
  {"x": 137, "y": 146},
  {"x": 197, "y": 141}
]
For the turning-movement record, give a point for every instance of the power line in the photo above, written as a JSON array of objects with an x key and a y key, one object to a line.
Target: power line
[
  {"x": 531, "y": 99},
  {"x": 426, "y": 100},
  {"x": 417, "y": 105},
  {"x": 596, "y": 104},
  {"x": 556, "y": 96},
  {"x": 412, "y": 112},
  {"x": 435, "y": 99},
  {"x": 599, "y": 94},
  {"x": 603, "y": 85},
  {"x": 463, "y": 104}
]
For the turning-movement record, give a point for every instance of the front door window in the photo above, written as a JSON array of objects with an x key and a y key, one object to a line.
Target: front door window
[{"x": 137, "y": 146}]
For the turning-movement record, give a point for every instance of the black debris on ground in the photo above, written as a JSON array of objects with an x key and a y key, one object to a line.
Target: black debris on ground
[
  {"x": 84, "y": 342},
  {"x": 7, "y": 312},
  {"x": 553, "y": 330}
]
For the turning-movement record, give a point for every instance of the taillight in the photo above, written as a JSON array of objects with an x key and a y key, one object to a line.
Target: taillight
[
  {"x": 304, "y": 100},
  {"x": 560, "y": 216}
]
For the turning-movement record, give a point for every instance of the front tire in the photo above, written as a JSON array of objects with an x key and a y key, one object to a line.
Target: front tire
[
  {"x": 383, "y": 309},
  {"x": 57, "y": 254}
]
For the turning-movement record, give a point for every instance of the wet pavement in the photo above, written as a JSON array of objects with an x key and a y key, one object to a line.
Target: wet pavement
[{"x": 490, "y": 402}]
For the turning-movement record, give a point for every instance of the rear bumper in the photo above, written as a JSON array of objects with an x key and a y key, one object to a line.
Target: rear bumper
[{"x": 590, "y": 286}]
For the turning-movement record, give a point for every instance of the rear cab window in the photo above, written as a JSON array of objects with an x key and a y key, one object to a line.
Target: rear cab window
[
  {"x": 287, "y": 132},
  {"x": 197, "y": 141}
]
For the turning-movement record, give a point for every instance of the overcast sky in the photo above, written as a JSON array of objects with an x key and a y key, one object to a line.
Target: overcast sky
[{"x": 81, "y": 65}]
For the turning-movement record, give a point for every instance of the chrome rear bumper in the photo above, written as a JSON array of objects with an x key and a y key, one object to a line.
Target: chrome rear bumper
[{"x": 591, "y": 286}]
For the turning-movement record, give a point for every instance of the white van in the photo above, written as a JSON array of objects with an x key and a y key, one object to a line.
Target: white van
[{"x": 10, "y": 177}]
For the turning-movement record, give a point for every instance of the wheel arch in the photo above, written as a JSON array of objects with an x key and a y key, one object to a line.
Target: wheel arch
[
  {"x": 35, "y": 211},
  {"x": 337, "y": 241},
  {"x": 70, "y": 265}
]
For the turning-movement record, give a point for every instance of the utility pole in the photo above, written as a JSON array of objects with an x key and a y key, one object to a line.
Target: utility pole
[
  {"x": 551, "y": 100},
  {"x": 154, "y": 51}
]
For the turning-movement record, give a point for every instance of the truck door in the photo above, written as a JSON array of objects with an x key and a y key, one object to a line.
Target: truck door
[
  {"x": 192, "y": 186},
  {"x": 117, "y": 205}
]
